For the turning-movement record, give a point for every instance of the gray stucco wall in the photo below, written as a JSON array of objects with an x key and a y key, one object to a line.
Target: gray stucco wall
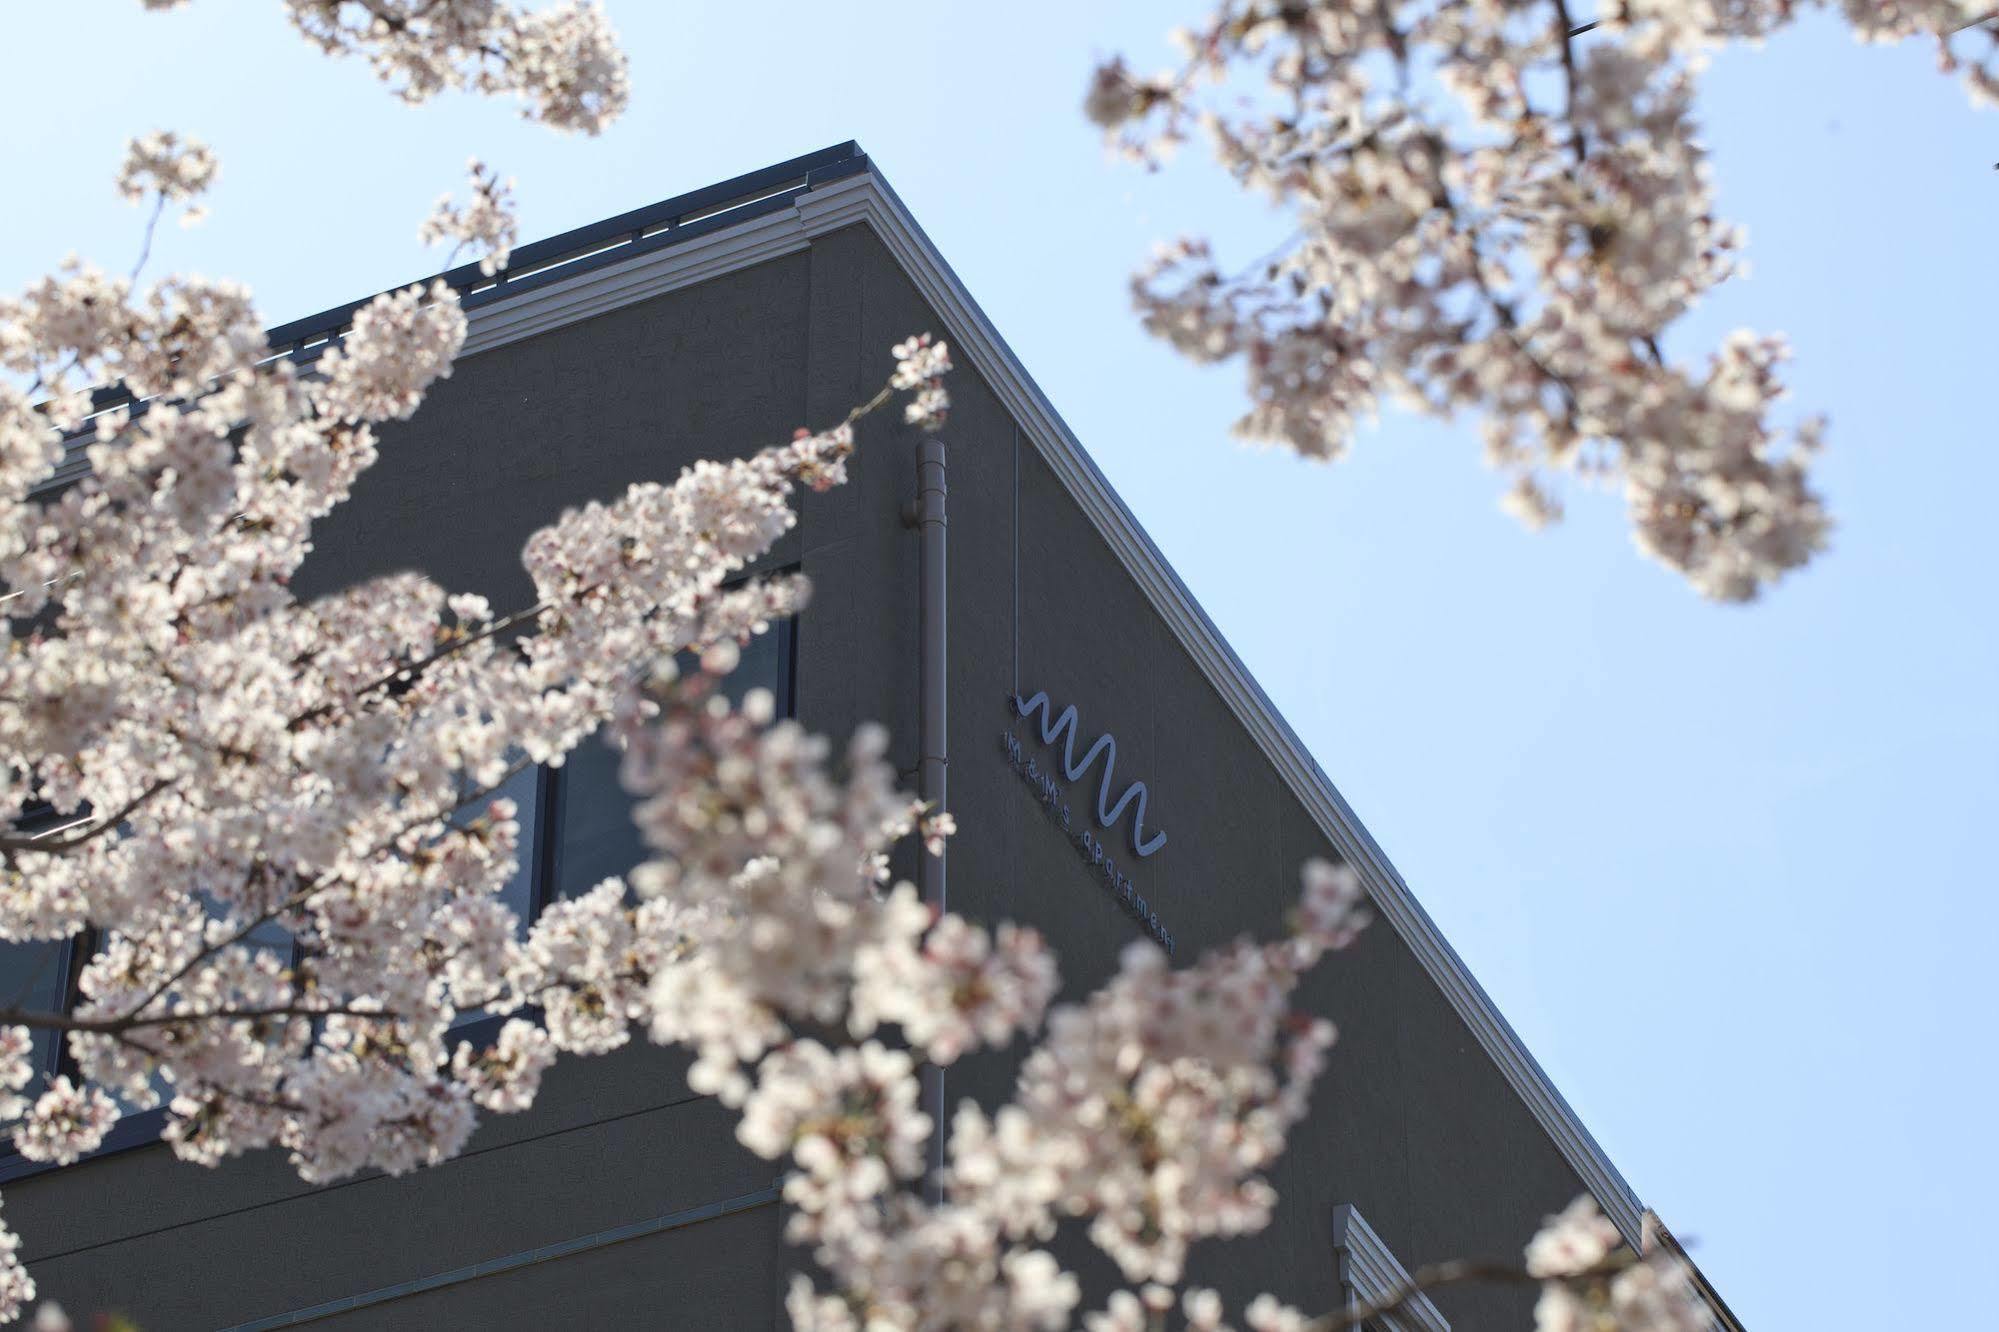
[{"x": 1412, "y": 1123}]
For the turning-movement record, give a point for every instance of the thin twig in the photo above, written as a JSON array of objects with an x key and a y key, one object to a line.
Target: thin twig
[
  {"x": 408, "y": 671},
  {"x": 1456, "y": 1273},
  {"x": 1565, "y": 29},
  {"x": 146, "y": 243},
  {"x": 112, "y": 1026},
  {"x": 67, "y": 844}
]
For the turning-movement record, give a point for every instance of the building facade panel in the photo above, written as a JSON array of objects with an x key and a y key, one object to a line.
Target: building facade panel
[
  {"x": 614, "y": 1142},
  {"x": 719, "y": 1273}
]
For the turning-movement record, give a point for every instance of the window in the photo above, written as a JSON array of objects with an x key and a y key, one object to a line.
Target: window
[
  {"x": 525, "y": 789},
  {"x": 597, "y": 836},
  {"x": 36, "y": 976},
  {"x": 1370, "y": 1274},
  {"x": 593, "y": 815}
]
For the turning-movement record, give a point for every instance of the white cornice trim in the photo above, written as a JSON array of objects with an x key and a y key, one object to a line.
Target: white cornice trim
[
  {"x": 615, "y": 286},
  {"x": 1371, "y": 1274},
  {"x": 866, "y": 198}
]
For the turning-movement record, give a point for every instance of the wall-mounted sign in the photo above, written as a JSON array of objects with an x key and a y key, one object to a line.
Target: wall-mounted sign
[
  {"x": 1063, "y": 725},
  {"x": 1048, "y": 792}
]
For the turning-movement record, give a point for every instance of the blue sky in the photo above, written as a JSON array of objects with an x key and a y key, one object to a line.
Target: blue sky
[{"x": 1718, "y": 865}]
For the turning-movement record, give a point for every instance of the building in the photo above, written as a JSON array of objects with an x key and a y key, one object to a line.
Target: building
[{"x": 616, "y": 353}]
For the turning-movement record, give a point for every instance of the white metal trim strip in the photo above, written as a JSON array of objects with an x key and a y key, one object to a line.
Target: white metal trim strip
[
  {"x": 568, "y": 1248},
  {"x": 1373, "y": 1275}
]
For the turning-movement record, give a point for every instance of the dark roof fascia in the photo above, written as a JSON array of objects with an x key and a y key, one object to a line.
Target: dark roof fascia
[{"x": 613, "y": 240}]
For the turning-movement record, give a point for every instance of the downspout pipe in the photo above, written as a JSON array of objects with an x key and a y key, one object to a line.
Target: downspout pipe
[
  {"x": 931, "y": 520},
  {"x": 929, "y": 516}
]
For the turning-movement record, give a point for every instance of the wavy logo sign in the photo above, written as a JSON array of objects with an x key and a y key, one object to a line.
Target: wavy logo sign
[
  {"x": 1048, "y": 792},
  {"x": 1062, "y": 726}
]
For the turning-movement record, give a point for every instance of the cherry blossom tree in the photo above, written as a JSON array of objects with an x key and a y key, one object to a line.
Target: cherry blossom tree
[
  {"x": 272, "y": 830},
  {"x": 1501, "y": 208},
  {"x": 562, "y": 61}
]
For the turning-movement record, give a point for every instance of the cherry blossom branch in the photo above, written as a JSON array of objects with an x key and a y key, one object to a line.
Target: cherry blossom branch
[
  {"x": 1565, "y": 33},
  {"x": 318, "y": 886},
  {"x": 1459, "y": 1272},
  {"x": 564, "y": 62},
  {"x": 1503, "y": 310},
  {"x": 62, "y": 846},
  {"x": 48, "y": 1021},
  {"x": 406, "y": 674},
  {"x": 530, "y": 997},
  {"x": 1600, "y": 201},
  {"x": 146, "y": 241}
]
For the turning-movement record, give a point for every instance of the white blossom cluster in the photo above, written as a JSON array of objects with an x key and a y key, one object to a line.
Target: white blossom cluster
[
  {"x": 486, "y": 222},
  {"x": 16, "y": 1286},
  {"x": 1501, "y": 209},
  {"x": 235, "y": 761},
  {"x": 920, "y": 369},
  {"x": 172, "y": 167},
  {"x": 1149, "y": 1109},
  {"x": 562, "y": 61},
  {"x": 1583, "y": 1289}
]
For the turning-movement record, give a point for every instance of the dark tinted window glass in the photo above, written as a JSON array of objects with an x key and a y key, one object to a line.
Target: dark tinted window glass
[
  {"x": 524, "y": 789},
  {"x": 598, "y": 839},
  {"x": 35, "y": 977}
]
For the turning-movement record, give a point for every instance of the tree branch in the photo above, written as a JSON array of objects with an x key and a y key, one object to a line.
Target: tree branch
[
  {"x": 146, "y": 243},
  {"x": 408, "y": 671},
  {"x": 68, "y": 844},
  {"x": 45, "y": 1021},
  {"x": 1565, "y": 32},
  {"x": 1455, "y": 1273},
  {"x": 318, "y": 885}
]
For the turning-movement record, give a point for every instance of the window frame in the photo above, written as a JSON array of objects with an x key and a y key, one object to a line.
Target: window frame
[
  {"x": 66, "y": 965},
  {"x": 556, "y": 786},
  {"x": 1369, "y": 1273}
]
